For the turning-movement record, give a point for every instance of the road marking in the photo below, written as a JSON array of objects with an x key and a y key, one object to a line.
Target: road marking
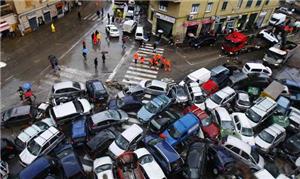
[
  {"x": 2, "y": 64},
  {"x": 130, "y": 82},
  {"x": 141, "y": 74},
  {"x": 151, "y": 50},
  {"x": 144, "y": 52},
  {"x": 143, "y": 70},
  {"x": 144, "y": 66},
  {"x": 87, "y": 16},
  {"x": 10, "y": 77},
  {"x": 135, "y": 77},
  {"x": 76, "y": 71},
  {"x": 95, "y": 18}
]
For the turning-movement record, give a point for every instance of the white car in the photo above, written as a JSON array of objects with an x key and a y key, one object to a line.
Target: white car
[
  {"x": 200, "y": 76},
  {"x": 269, "y": 36},
  {"x": 103, "y": 167},
  {"x": 70, "y": 110},
  {"x": 256, "y": 68},
  {"x": 149, "y": 165},
  {"x": 122, "y": 143},
  {"x": 4, "y": 170},
  {"x": 270, "y": 137},
  {"x": 155, "y": 87},
  {"x": 196, "y": 96},
  {"x": 243, "y": 128},
  {"x": 67, "y": 88},
  {"x": 41, "y": 145},
  {"x": 220, "y": 98},
  {"x": 32, "y": 131},
  {"x": 112, "y": 30},
  {"x": 223, "y": 118}
]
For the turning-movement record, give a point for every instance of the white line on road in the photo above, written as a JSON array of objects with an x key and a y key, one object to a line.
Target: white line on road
[
  {"x": 96, "y": 17},
  {"x": 136, "y": 77},
  {"x": 143, "y": 70},
  {"x": 130, "y": 82},
  {"x": 92, "y": 17},
  {"x": 141, "y": 74},
  {"x": 143, "y": 65},
  {"x": 87, "y": 16}
]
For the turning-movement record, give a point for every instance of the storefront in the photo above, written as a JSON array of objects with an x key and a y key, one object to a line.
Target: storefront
[
  {"x": 206, "y": 26},
  {"x": 219, "y": 22},
  {"x": 164, "y": 23},
  {"x": 230, "y": 24},
  {"x": 241, "y": 22},
  {"x": 60, "y": 9},
  {"x": 260, "y": 19},
  {"x": 250, "y": 24}
]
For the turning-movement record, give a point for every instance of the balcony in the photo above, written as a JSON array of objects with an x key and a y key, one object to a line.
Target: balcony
[{"x": 6, "y": 9}]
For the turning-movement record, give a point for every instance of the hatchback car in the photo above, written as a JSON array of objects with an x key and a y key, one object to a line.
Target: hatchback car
[
  {"x": 209, "y": 87},
  {"x": 243, "y": 128},
  {"x": 128, "y": 166},
  {"x": 163, "y": 120},
  {"x": 155, "y": 87},
  {"x": 112, "y": 30},
  {"x": 203, "y": 41},
  {"x": 68, "y": 88},
  {"x": 96, "y": 91},
  {"x": 196, "y": 96},
  {"x": 137, "y": 91},
  {"x": 79, "y": 131},
  {"x": 242, "y": 101},
  {"x": 18, "y": 115},
  {"x": 180, "y": 94},
  {"x": 268, "y": 36},
  {"x": 199, "y": 76},
  {"x": 223, "y": 119},
  {"x": 291, "y": 147},
  {"x": 220, "y": 98},
  {"x": 127, "y": 103},
  {"x": 283, "y": 105},
  {"x": 256, "y": 68},
  {"x": 103, "y": 167}
]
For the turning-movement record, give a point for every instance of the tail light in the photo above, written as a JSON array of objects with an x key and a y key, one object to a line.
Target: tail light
[{"x": 163, "y": 136}]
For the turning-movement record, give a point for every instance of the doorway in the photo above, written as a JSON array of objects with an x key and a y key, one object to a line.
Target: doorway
[
  {"x": 192, "y": 30},
  {"x": 33, "y": 23}
]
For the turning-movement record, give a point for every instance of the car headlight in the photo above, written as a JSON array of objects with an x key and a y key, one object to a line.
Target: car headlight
[
  {"x": 264, "y": 59},
  {"x": 279, "y": 61}
]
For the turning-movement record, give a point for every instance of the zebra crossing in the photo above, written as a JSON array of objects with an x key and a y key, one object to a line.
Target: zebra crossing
[{"x": 93, "y": 17}]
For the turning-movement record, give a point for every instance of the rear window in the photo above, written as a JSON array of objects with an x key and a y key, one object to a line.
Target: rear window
[
  {"x": 78, "y": 106},
  {"x": 139, "y": 34},
  {"x": 247, "y": 67},
  {"x": 98, "y": 86}
]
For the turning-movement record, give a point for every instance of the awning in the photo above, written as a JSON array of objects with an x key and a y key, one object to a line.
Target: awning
[{"x": 4, "y": 26}]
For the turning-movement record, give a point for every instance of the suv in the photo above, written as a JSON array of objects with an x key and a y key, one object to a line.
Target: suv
[
  {"x": 261, "y": 110},
  {"x": 220, "y": 98},
  {"x": 40, "y": 145},
  {"x": 196, "y": 96},
  {"x": 96, "y": 91},
  {"x": 256, "y": 68},
  {"x": 18, "y": 115},
  {"x": 68, "y": 88}
]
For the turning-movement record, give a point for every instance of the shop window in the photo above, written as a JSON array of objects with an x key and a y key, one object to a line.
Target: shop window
[
  {"x": 258, "y": 3},
  {"x": 224, "y": 6},
  {"x": 267, "y": 2},
  {"x": 249, "y": 3},
  {"x": 163, "y": 5},
  {"x": 195, "y": 8},
  {"x": 239, "y": 4},
  {"x": 209, "y": 6}
]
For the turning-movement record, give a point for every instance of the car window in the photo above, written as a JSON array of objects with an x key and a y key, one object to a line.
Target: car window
[
  {"x": 156, "y": 88},
  {"x": 238, "y": 126},
  {"x": 228, "y": 146},
  {"x": 235, "y": 150},
  {"x": 256, "y": 70},
  {"x": 103, "y": 168},
  {"x": 236, "y": 119},
  {"x": 105, "y": 122},
  {"x": 266, "y": 71},
  {"x": 34, "y": 148},
  {"x": 247, "y": 67},
  {"x": 146, "y": 159},
  {"x": 78, "y": 106},
  {"x": 245, "y": 155},
  {"x": 218, "y": 117}
]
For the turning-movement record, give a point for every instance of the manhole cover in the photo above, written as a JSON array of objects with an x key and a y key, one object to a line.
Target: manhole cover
[{"x": 2, "y": 64}]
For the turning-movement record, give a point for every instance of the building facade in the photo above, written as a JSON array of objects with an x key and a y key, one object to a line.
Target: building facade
[{"x": 180, "y": 18}]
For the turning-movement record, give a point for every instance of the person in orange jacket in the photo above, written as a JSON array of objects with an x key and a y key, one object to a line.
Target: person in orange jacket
[
  {"x": 152, "y": 62},
  {"x": 136, "y": 57},
  {"x": 167, "y": 65},
  {"x": 142, "y": 60},
  {"x": 163, "y": 61}
]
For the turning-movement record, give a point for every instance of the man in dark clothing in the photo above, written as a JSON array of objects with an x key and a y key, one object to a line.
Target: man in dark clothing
[
  {"x": 79, "y": 15},
  {"x": 20, "y": 93},
  {"x": 103, "y": 57},
  {"x": 108, "y": 18},
  {"x": 113, "y": 19},
  {"x": 98, "y": 13},
  {"x": 102, "y": 12},
  {"x": 96, "y": 62}
]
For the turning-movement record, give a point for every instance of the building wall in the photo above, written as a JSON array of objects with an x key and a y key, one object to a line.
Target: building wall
[{"x": 28, "y": 5}]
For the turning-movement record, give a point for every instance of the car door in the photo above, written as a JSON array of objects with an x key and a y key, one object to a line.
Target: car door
[{"x": 246, "y": 158}]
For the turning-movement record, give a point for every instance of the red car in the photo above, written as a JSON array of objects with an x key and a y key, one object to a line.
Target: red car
[
  {"x": 210, "y": 87},
  {"x": 128, "y": 166},
  {"x": 209, "y": 127}
]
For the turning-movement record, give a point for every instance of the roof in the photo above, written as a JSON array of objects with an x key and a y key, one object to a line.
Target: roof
[
  {"x": 35, "y": 168},
  {"x": 275, "y": 129},
  {"x": 129, "y": 22},
  {"x": 141, "y": 152},
  {"x": 243, "y": 96},
  {"x": 46, "y": 135},
  {"x": 209, "y": 85},
  {"x": 278, "y": 51},
  {"x": 243, "y": 119},
  {"x": 79, "y": 128},
  {"x": 166, "y": 150},
  {"x": 64, "y": 109},
  {"x": 256, "y": 65},
  {"x": 159, "y": 83},
  {"x": 223, "y": 113},
  {"x": 223, "y": 93},
  {"x": 263, "y": 174},
  {"x": 236, "y": 37},
  {"x": 218, "y": 69},
  {"x": 64, "y": 84},
  {"x": 231, "y": 140},
  {"x": 102, "y": 161},
  {"x": 133, "y": 131},
  {"x": 186, "y": 122},
  {"x": 265, "y": 104},
  {"x": 202, "y": 73},
  {"x": 20, "y": 110}
]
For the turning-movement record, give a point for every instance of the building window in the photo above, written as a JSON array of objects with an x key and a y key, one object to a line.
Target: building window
[
  {"x": 209, "y": 7},
  {"x": 224, "y": 5},
  {"x": 163, "y": 5},
  {"x": 195, "y": 8},
  {"x": 239, "y": 4},
  {"x": 258, "y": 3},
  {"x": 267, "y": 2},
  {"x": 249, "y": 3}
]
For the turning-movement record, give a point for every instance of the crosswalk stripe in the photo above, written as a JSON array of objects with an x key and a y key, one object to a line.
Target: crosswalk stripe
[
  {"x": 151, "y": 50},
  {"x": 71, "y": 77},
  {"x": 149, "y": 46},
  {"x": 130, "y": 82},
  {"x": 94, "y": 18},
  {"x": 135, "y": 77},
  {"x": 87, "y": 16},
  {"x": 76, "y": 71},
  {"x": 144, "y": 66},
  {"x": 143, "y": 70},
  {"x": 147, "y": 96},
  {"x": 91, "y": 17},
  {"x": 144, "y": 52},
  {"x": 141, "y": 74}
]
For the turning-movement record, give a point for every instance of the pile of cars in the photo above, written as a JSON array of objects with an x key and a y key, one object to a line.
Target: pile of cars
[{"x": 201, "y": 127}]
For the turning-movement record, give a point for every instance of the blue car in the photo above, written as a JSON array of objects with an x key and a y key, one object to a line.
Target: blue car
[
  {"x": 166, "y": 156},
  {"x": 283, "y": 105},
  {"x": 181, "y": 129},
  {"x": 127, "y": 103},
  {"x": 153, "y": 107},
  {"x": 79, "y": 131}
]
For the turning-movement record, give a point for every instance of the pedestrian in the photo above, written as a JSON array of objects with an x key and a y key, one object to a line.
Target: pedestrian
[
  {"x": 142, "y": 60},
  {"x": 123, "y": 42},
  {"x": 52, "y": 27},
  {"x": 96, "y": 62},
  {"x": 79, "y": 15},
  {"x": 113, "y": 18},
  {"x": 167, "y": 65},
  {"x": 92, "y": 36},
  {"x": 108, "y": 18},
  {"x": 102, "y": 12},
  {"x": 83, "y": 44},
  {"x": 135, "y": 57},
  {"x": 103, "y": 57},
  {"x": 56, "y": 67},
  {"x": 95, "y": 41},
  {"x": 163, "y": 61},
  {"x": 21, "y": 93},
  {"x": 99, "y": 38},
  {"x": 151, "y": 62},
  {"x": 84, "y": 53},
  {"x": 154, "y": 47},
  {"x": 98, "y": 13},
  {"x": 51, "y": 60}
]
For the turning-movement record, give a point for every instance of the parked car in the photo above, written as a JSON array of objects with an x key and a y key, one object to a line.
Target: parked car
[
  {"x": 196, "y": 96},
  {"x": 70, "y": 110},
  {"x": 68, "y": 88},
  {"x": 243, "y": 127},
  {"x": 40, "y": 145},
  {"x": 137, "y": 91},
  {"x": 243, "y": 152},
  {"x": 4, "y": 170},
  {"x": 180, "y": 94},
  {"x": 256, "y": 68},
  {"x": 199, "y": 76},
  {"x": 155, "y": 87},
  {"x": 181, "y": 129},
  {"x": 18, "y": 115},
  {"x": 112, "y": 30},
  {"x": 269, "y": 36},
  {"x": 124, "y": 141},
  {"x": 283, "y": 105},
  {"x": 103, "y": 166},
  {"x": 79, "y": 132},
  {"x": 96, "y": 91},
  {"x": 128, "y": 166},
  {"x": 241, "y": 81},
  {"x": 106, "y": 119},
  {"x": 8, "y": 149},
  {"x": 166, "y": 156},
  {"x": 196, "y": 161},
  {"x": 291, "y": 148},
  {"x": 101, "y": 141},
  {"x": 203, "y": 41},
  {"x": 209, "y": 87},
  {"x": 153, "y": 108},
  {"x": 294, "y": 119},
  {"x": 150, "y": 167},
  {"x": 223, "y": 119},
  {"x": 270, "y": 137},
  {"x": 293, "y": 86},
  {"x": 260, "y": 111},
  {"x": 127, "y": 103},
  {"x": 163, "y": 120},
  {"x": 220, "y": 98},
  {"x": 242, "y": 101}
]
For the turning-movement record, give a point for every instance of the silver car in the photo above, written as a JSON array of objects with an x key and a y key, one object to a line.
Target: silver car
[{"x": 155, "y": 87}]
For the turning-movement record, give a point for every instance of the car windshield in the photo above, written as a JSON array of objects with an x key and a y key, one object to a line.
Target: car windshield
[
  {"x": 78, "y": 106},
  {"x": 275, "y": 55},
  {"x": 146, "y": 159},
  {"x": 231, "y": 44},
  {"x": 255, "y": 155},
  {"x": 103, "y": 168},
  {"x": 76, "y": 85},
  {"x": 253, "y": 116},
  {"x": 122, "y": 142},
  {"x": 42, "y": 125},
  {"x": 115, "y": 114},
  {"x": 33, "y": 147},
  {"x": 215, "y": 98},
  {"x": 245, "y": 103},
  {"x": 7, "y": 115},
  {"x": 113, "y": 30},
  {"x": 199, "y": 99},
  {"x": 174, "y": 132},
  {"x": 207, "y": 121},
  {"x": 227, "y": 125},
  {"x": 180, "y": 91},
  {"x": 266, "y": 136},
  {"x": 151, "y": 108},
  {"x": 247, "y": 132}
]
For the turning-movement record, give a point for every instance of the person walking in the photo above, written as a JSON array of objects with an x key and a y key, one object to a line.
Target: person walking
[
  {"x": 51, "y": 60},
  {"x": 167, "y": 65},
  {"x": 52, "y": 27},
  {"x": 84, "y": 53},
  {"x": 142, "y": 60},
  {"x": 99, "y": 38},
  {"x": 98, "y": 13},
  {"x": 113, "y": 18},
  {"x": 95, "y": 41},
  {"x": 83, "y": 44},
  {"x": 123, "y": 42},
  {"x": 135, "y": 57},
  {"x": 154, "y": 47},
  {"x": 163, "y": 61},
  {"x": 96, "y": 62},
  {"x": 79, "y": 15},
  {"x": 151, "y": 62},
  {"x": 108, "y": 18},
  {"x": 102, "y": 12},
  {"x": 56, "y": 67},
  {"x": 92, "y": 36},
  {"x": 103, "y": 57},
  {"x": 21, "y": 93}
]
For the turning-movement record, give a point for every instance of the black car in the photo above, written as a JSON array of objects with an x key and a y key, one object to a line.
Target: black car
[
  {"x": 196, "y": 161},
  {"x": 163, "y": 120},
  {"x": 100, "y": 143},
  {"x": 8, "y": 149},
  {"x": 96, "y": 91},
  {"x": 241, "y": 81},
  {"x": 203, "y": 41},
  {"x": 127, "y": 103},
  {"x": 291, "y": 147},
  {"x": 18, "y": 115},
  {"x": 221, "y": 79}
]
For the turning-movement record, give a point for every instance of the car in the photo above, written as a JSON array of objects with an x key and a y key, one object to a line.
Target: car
[
  {"x": 199, "y": 76},
  {"x": 137, "y": 91},
  {"x": 18, "y": 115},
  {"x": 243, "y": 127},
  {"x": 209, "y": 87},
  {"x": 8, "y": 149},
  {"x": 163, "y": 120},
  {"x": 40, "y": 145},
  {"x": 209, "y": 127},
  {"x": 127, "y": 103},
  {"x": 79, "y": 131},
  {"x": 70, "y": 110},
  {"x": 286, "y": 10},
  {"x": 220, "y": 75},
  {"x": 196, "y": 161},
  {"x": 106, "y": 119},
  {"x": 112, "y": 30},
  {"x": 96, "y": 91},
  {"x": 242, "y": 101},
  {"x": 155, "y": 87},
  {"x": 256, "y": 68},
  {"x": 36, "y": 128},
  {"x": 260, "y": 111},
  {"x": 223, "y": 119},
  {"x": 69, "y": 161},
  {"x": 103, "y": 166},
  {"x": 180, "y": 94},
  {"x": 220, "y": 98},
  {"x": 153, "y": 108},
  {"x": 181, "y": 129},
  {"x": 128, "y": 166},
  {"x": 241, "y": 81},
  {"x": 264, "y": 173},
  {"x": 291, "y": 147},
  {"x": 150, "y": 167},
  {"x": 270, "y": 137},
  {"x": 203, "y": 41},
  {"x": 165, "y": 155},
  {"x": 283, "y": 105},
  {"x": 55, "y": 101},
  {"x": 218, "y": 70},
  {"x": 4, "y": 170},
  {"x": 196, "y": 96},
  {"x": 268, "y": 35},
  {"x": 294, "y": 119},
  {"x": 40, "y": 168},
  {"x": 243, "y": 152},
  {"x": 124, "y": 141},
  {"x": 101, "y": 141},
  {"x": 293, "y": 86},
  {"x": 68, "y": 88}
]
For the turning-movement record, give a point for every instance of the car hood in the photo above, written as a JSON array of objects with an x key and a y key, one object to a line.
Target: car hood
[
  {"x": 26, "y": 157},
  {"x": 107, "y": 173},
  {"x": 153, "y": 170},
  {"x": 144, "y": 115},
  {"x": 115, "y": 149},
  {"x": 169, "y": 139},
  {"x": 261, "y": 143},
  {"x": 201, "y": 105},
  {"x": 86, "y": 105},
  {"x": 210, "y": 105},
  {"x": 64, "y": 109},
  {"x": 212, "y": 131},
  {"x": 249, "y": 140}
]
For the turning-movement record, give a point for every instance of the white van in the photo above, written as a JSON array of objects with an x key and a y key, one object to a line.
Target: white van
[
  {"x": 200, "y": 76},
  {"x": 139, "y": 33},
  {"x": 129, "y": 26}
]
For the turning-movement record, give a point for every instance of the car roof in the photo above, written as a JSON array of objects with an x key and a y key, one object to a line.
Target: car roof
[
  {"x": 223, "y": 93},
  {"x": 133, "y": 131},
  {"x": 275, "y": 130},
  {"x": 265, "y": 104},
  {"x": 256, "y": 65},
  {"x": 102, "y": 161},
  {"x": 64, "y": 109},
  {"x": 276, "y": 50},
  {"x": 141, "y": 152},
  {"x": 243, "y": 119},
  {"x": 129, "y": 22},
  {"x": 223, "y": 113},
  {"x": 159, "y": 83},
  {"x": 64, "y": 84},
  {"x": 102, "y": 116},
  {"x": 231, "y": 140},
  {"x": 200, "y": 74},
  {"x": 20, "y": 110},
  {"x": 78, "y": 128},
  {"x": 168, "y": 152},
  {"x": 98, "y": 85},
  {"x": 35, "y": 168},
  {"x": 186, "y": 122},
  {"x": 46, "y": 135},
  {"x": 242, "y": 95},
  {"x": 207, "y": 86},
  {"x": 238, "y": 77},
  {"x": 218, "y": 69}
]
